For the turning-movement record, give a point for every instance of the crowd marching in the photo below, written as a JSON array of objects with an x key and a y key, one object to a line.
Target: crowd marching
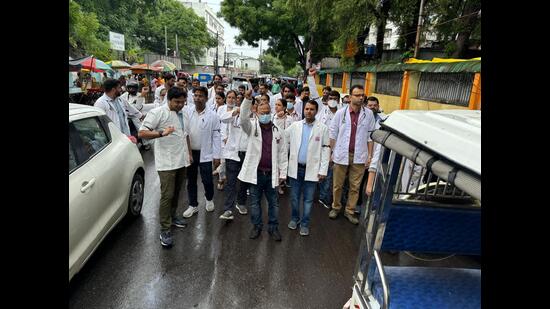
[{"x": 255, "y": 142}]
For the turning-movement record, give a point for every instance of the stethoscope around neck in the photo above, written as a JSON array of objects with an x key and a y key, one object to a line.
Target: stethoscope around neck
[
  {"x": 273, "y": 127},
  {"x": 363, "y": 115}
]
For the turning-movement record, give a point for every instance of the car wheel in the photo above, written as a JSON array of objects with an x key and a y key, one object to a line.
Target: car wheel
[{"x": 135, "y": 200}]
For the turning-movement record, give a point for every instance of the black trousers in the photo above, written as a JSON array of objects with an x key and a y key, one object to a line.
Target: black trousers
[
  {"x": 206, "y": 176},
  {"x": 232, "y": 169}
]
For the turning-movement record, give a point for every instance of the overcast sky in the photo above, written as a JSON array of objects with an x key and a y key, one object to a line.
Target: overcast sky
[{"x": 230, "y": 33}]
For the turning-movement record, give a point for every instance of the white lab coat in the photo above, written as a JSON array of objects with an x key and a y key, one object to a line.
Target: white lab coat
[
  {"x": 279, "y": 154},
  {"x": 318, "y": 150},
  {"x": 237, "y": 140},
  {"x": 209, "y": 134},
  {"x": 340, "y": 130}
]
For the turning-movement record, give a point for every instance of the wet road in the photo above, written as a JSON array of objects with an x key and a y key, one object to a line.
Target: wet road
[{"x": 214, "y": 264}]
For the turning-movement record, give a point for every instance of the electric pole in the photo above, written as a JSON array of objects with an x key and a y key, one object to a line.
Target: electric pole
[
  {"x": 165, "y": 42},
  {"x": 420, "y": 21},
  {"x": 177, "y": 47},
  {"x": 216, "y": 63}
]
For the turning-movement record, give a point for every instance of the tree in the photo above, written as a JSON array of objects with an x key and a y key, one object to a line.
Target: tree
[
  {"x": 286, "y": 24},
  {"x": 142, "y": 22},
  {"x": 271, "y": 65},
  {"x": 82, "y": 34},
  {"x": 456, "y": 23}
]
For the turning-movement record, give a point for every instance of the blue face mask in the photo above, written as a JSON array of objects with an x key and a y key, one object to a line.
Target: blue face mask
[
  {"x": 265, "y": 119},
  {"x": 289, "y": 105}
]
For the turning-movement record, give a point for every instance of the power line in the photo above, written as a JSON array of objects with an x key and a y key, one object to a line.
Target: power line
[{"x": 434, "y": 25}]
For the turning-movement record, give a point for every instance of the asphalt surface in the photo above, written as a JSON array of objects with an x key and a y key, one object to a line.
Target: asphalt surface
[{"x": 213, "y": 264}]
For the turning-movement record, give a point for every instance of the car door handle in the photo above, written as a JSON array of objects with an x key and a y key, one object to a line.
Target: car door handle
[{"x": 87, "y": 185}]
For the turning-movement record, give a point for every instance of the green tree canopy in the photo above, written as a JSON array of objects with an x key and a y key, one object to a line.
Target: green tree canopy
[
  {"x": 271, "y": 65},
  {"x": 284, "y": 23},
  {"x": 142, "y": 22}
]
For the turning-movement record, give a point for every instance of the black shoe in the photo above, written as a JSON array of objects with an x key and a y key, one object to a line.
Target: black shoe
[
  {"x": 275, "y": 234},
  {"x": 254, "y": 232}
]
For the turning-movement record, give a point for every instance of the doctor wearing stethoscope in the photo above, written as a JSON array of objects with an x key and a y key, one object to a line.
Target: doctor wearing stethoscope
[{"x": 352, "y": 151}]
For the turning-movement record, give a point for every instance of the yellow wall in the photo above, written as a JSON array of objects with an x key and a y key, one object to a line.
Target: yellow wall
[
  {"x": 388, "y": 103},
  {"x": 418, "y": 104}
]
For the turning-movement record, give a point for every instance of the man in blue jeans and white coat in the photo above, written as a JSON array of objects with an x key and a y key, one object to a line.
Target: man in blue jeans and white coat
[
  {"x": 264, "y": 166},
  {"x": 308, "y": 164}
]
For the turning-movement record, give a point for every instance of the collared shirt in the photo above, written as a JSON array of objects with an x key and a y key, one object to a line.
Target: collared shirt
[
  {"x": 354, "y": 116},
  {"x": 113, "y": 108},
  {"x": 195, "y": 122},
  {"x": 306, "y": 132},
  {"x": 325, "y": 116},
  {"x": 265, "y": 160},
  {"x": 170, "y": 151}
]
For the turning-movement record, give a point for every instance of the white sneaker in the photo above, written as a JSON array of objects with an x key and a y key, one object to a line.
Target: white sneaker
[
  {"x": 190, "y": 211},
  {"x": 209, "y": 205}
]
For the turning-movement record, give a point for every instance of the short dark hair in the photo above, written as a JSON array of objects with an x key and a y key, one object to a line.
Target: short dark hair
[
  {"x": 110, "y": 83},
  {"x": 168, "y": 76},
  {"x": 290, "y": 96},
  {"x": 218, "y": 75},
  {"x": 373, "y": 99},
  {"x": 355, "y": 87},
  {"x": 313, "y": 102},
  {"x": 201, "y": 89},
  {"x": 175, "y": 93},
  {"x": 242, "y": 87},
  {"x": 265, "y": 85},
  {"x": 289, "y": 86},
  {"x": 327, "y": 88},
  {"x": 334, "y": 93},
  {"x": 266, "y": 95},
  {"x": 306, "y": 88},
  {"x": 234, "y": 92},
  {"x": 221, "y": 94},
  {"x": 283, "y": 101}
]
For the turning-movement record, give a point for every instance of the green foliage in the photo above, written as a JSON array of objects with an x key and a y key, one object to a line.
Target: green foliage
[
  {"x": 295, "y": 71},
  {"x": 142, "y": 22},
  {"x": 82, "y": 34},
  {"x": 285, "y": 24},
  {"x": 271, "y": 65}
]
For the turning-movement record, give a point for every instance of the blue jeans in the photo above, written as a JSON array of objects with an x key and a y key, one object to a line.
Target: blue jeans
[
  {"x": 263, "y": 186},
  {"x": 325, "y": 188},
  {"x": 296, "y": 191}
]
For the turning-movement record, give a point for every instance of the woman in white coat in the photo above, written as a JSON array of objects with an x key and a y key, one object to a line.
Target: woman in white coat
[
  {"x": 308, "y": 163},
  {"x": 264, "y": 166}
]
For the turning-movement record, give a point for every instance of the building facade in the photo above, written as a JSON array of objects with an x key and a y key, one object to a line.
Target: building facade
[{"x": 214, "y": 25}]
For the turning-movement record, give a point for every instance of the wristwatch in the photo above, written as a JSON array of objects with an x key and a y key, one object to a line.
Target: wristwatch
[{"x": 161, "y": 132}]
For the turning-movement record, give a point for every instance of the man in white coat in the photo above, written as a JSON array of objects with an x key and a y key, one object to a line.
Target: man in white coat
[
  {"x": 204, "y": 133},
  {"x": 166, "y": 125},
  {"x": 265, "y": 164},
  {"x": 352, "y": 151},
  {"x": 308, "y": 163}
]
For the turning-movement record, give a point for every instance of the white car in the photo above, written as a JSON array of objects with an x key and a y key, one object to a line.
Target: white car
[{"x": 106, "y": 181}]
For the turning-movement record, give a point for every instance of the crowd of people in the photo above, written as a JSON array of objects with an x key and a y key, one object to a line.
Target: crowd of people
[{"x": 255, "y": 143}]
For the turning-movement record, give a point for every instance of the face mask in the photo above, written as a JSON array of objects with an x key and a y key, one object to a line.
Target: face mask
[
  {"x": 332, "y": 103},
  {"x": 289, "y": 105},
  {"x": 265, "y": 119}
]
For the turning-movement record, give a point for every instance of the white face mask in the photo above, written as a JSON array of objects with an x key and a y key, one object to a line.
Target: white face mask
[{"x": 332, "y": 103}]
